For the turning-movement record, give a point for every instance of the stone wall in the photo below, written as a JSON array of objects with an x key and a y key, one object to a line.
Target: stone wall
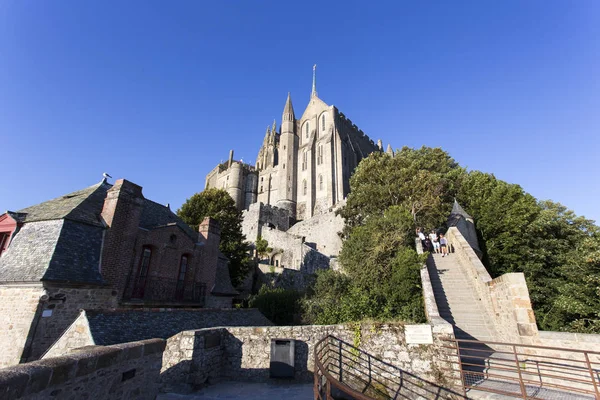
[
  {"x": 124, "y": 371},
  {"x": 18, "y": 311},
  {"x": 243, "y": 353},
  {"x": 322, "y": 230},
  {"x": 505, "y": 298},
  {"x": 62, "y": 309}
]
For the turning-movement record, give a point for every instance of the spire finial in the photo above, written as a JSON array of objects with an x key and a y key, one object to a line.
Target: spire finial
[{"x": 314, "y": 87}]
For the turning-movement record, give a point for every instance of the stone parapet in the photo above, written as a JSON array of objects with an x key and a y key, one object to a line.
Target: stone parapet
[
  {"x": 124, "y": 371},
  {"x": 243, "y": 353}
]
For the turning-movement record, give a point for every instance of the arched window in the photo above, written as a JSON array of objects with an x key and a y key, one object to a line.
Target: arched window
[
  {"x": 304, "y": 187},
  {"x": 320, "y": 182},
  {"x": 320, "y": 155},
  {"x": 323, "y": 122},
  {"x": 304, "y": 160},
  {"x": 307, "y": 127}
]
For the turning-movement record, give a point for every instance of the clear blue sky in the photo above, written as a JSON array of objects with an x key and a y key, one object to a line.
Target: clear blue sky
[{"x": 157, "y": 92}]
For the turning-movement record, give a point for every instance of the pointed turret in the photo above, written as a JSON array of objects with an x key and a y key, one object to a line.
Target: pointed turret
[
  {"x": 288, "y": 119},
  {"x": 380, "y": 144},
  {"x": 389, "y": 150}
]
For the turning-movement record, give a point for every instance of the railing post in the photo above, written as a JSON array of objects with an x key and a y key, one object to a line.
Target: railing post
[
  {"x": 340, "y": 358},
  {"x": 462, "y": 376},
  {"x": 589, "y": 365},
  {"x": 521, "y": 383},
  {"x": 369, "y": 361}
]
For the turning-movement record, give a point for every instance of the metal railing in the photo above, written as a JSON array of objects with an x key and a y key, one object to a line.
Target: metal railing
[
  {"x": 170, "y": 290},
  {"x": 526, "y": 371},
  {"x": 344, "y": 371}
]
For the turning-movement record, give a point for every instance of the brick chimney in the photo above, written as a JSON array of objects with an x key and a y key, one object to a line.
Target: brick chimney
[
  {"x": 121, "y": 213},
  {"x": 210, "y": 235}
]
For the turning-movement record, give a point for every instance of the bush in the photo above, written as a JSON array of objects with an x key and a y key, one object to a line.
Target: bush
[{"x": 278, "y": 304}]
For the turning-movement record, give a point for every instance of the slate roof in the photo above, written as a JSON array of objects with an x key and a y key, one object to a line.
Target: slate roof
[
  {"x": 83, "y": 205},
  {"x": 111, "y": 327},
  {"x": 458, "y": 211},
  {"x": 156, "y": 215}
]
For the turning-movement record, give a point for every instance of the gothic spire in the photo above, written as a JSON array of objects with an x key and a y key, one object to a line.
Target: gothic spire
[
  {"x": 274, "y": 127},
  {"x": 389, "y": 150},
  {"x": 314, "y": 86},
  {"x": 288, "y": 110}
]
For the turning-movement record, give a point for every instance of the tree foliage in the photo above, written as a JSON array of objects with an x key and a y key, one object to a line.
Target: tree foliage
[
  {"x": 218, "y": 204},
  {"x": 262, "y": 247},
  {"x": 422, "y": 181},
  {"x": 280, "y": 305}
]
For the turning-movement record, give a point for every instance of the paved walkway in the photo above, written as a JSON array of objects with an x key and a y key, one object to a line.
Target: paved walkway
[{"x": 248, "y": 391}]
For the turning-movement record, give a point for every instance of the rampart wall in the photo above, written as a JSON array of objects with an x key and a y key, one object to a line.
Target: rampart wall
[{"x": 123, "y": 371}]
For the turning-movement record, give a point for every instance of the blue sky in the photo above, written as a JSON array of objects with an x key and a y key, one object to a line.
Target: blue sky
[{"x": 157, "y": 92}]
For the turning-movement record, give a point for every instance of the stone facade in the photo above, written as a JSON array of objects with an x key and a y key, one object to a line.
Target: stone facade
[
  {"x": 304, "y": 166},
  {"x": 125, "y": 371}
]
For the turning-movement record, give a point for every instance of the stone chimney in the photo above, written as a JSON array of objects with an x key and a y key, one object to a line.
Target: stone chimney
[
  {"x": 210, "y": 236},
  {"x": 121, "y": 212}
]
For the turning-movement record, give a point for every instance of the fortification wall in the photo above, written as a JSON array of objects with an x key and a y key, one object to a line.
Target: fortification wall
[
  {"x": 322, "y": 230},
  {"x": 123, "y": 371},
  {"x": 243, "y": 354}
]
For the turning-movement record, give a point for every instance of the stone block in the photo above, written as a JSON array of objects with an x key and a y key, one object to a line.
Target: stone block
[
  {"x": 109, "y": 357},
  {"x": 13, "y": 383},
  {"x": 63, "y": 369},
  {"x": 153, "y": 346},
  {"x": 526, "y": 329}
]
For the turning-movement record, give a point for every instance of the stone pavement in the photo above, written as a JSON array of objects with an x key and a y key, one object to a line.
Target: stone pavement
[{"x": 247, "y": 391}]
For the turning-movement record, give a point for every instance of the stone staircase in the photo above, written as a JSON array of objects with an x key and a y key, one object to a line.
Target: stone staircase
[{"x": 457, "y": 300}]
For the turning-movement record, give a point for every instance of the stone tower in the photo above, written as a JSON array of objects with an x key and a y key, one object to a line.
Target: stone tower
[{"x": 288, "y": 143}]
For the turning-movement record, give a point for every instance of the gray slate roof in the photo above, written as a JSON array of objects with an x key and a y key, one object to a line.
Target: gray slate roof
[
  {"x": 156, "y": 215},
  {"x": 458, "y": 211},
  {"x": 83, "y": 205},
  {"x": 119, "y": 326},
  {"x": 61, "y": 239}
]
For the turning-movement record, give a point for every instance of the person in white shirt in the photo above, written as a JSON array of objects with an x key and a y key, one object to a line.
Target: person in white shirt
[
  {"x": 434, "y": 240},
  {"x": 443, "y": 245}
]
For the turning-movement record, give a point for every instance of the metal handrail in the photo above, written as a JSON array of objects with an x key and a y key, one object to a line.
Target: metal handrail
[
  {"x": 357, "y": 374},
  {"x": 562, "y": 373}
]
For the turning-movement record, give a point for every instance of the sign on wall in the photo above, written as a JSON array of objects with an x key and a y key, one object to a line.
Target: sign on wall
[{"x": 418, "y": 334}]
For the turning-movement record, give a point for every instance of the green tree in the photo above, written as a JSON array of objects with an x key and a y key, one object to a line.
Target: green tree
[
  {"x": 217, "y": 204},
  {"x": 423, "y": 181},
  {"x": 262, "y": 247}
]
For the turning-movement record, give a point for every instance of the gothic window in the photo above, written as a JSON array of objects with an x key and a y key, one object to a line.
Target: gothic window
[
  {"x": 283, "y": 165},
  {"x": 304, "y": 160},
  {"x": 320, "y": 155},
  {"x": 323, "y": 122},
  {"x": 320, "y": 182},
  {"x": 304, "y": 187},
  {"x": 307, "y": 127}
]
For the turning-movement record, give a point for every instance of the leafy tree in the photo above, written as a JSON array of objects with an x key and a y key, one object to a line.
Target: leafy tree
[
  {"x": 262, "y": 247},
  {"x": 422, "y": 181},
  {"x": 218, "y": 204}
]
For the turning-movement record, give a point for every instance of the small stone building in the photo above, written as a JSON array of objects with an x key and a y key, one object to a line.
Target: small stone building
[{"x": 98, "y": 248}]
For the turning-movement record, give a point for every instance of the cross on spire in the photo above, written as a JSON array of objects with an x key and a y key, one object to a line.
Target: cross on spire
[{"x": 314, "y": 86}]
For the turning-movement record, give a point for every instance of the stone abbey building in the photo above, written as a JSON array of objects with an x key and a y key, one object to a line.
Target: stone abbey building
[
  {"x": 304, "y": 166},
  {"x": 302, "y": 173}
]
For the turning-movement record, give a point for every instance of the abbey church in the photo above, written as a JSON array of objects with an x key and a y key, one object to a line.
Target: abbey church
[
  {"x": 304, "y": 166},
  {"x": 301, "y": 175}
]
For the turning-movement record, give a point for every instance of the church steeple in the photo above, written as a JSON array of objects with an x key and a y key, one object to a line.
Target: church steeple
[
  {"x": 288, "y": 119},
  {"x": 314, "y": 85}
]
